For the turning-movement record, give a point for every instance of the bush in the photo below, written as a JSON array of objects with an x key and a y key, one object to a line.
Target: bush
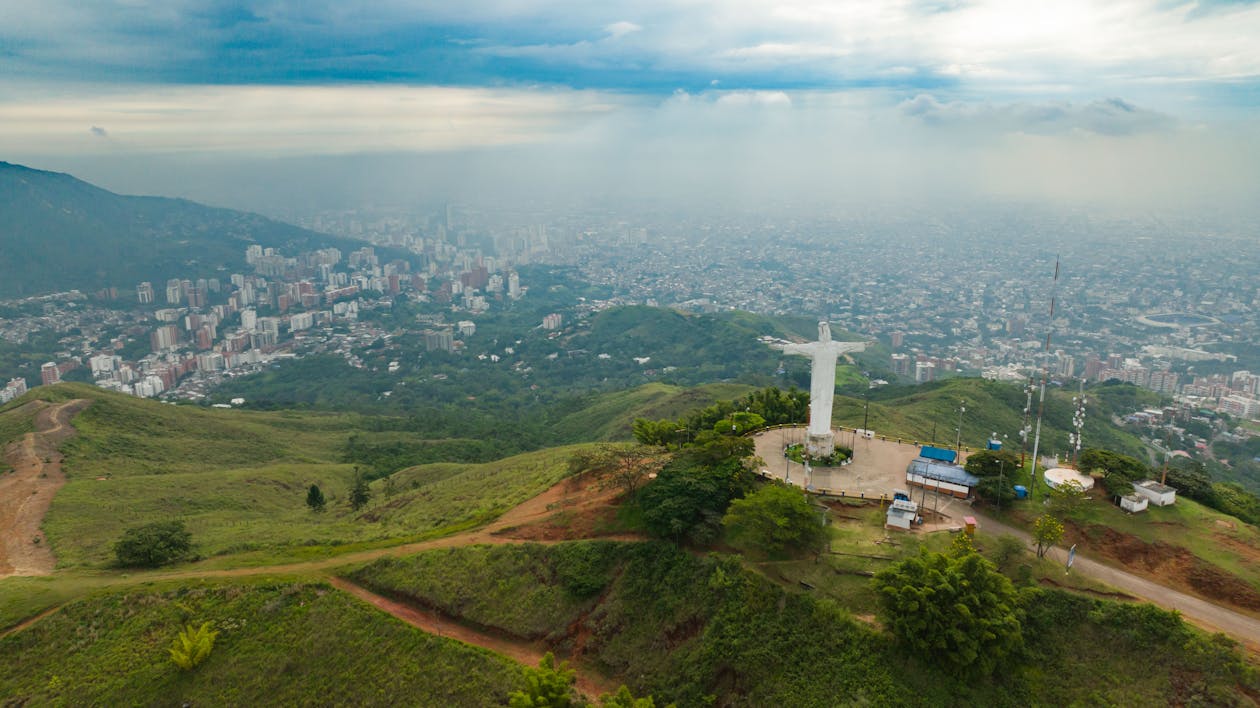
[{"x": 154, "y": 544}]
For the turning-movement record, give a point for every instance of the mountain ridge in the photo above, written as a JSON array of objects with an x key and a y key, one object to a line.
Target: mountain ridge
[{"x": 72, "y": 234}]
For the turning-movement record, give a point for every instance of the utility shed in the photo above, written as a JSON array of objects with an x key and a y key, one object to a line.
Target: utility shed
[
  {"x": 1133, "y": 503},
  {"x": 901, "y": 514},
  {"x": 1158, "y": 494}
]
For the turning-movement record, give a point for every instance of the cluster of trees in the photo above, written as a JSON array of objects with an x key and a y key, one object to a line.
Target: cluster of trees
[
  {"x": 767, "y": 406},
  {"x": 996, "y": 470},
  {"x": 1119, "y": 472},
  {"x": 952, "y": 607},
  {"x": 1191, "y": 479},
  {"x": 690, "y": 495}
]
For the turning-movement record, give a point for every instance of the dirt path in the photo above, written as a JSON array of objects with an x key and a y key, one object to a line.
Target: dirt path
[
  {"x": 507, "y": 529},
  {"x": 1211, "y": 617},
  {"x": 26, "y": 493},
  {"x": 589, "y": 683}
]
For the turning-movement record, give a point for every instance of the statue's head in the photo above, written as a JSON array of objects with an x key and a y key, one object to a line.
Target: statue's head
[{"x": 824, "y": 331}]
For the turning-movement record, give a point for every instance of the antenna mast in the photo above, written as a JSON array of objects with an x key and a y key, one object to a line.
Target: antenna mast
[{"x": 1041, "y": 401}]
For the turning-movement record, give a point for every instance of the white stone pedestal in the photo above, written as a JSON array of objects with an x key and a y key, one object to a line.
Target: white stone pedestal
[{"x": 820, "y": 445}]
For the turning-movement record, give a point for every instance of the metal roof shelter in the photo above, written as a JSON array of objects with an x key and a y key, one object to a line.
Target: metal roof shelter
[{"x": 932, "y": 469}]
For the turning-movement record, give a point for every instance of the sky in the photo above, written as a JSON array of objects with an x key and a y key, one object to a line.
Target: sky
[{"x": 1138, "y": 103}]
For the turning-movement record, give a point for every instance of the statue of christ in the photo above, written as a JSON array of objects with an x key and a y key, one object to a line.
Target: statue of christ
[{"x": 822, "y": 385}]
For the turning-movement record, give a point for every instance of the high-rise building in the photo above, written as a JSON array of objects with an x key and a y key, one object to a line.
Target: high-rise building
[
  {"x": 438, "y": 340},
  {"x": 924, "y": 371},
  {"x": 897, "y": 339},
  {"x": 144, "y": 293},
  {"x": 1163, "y": 381},
  {"x": 514, "y": 285},
  {"x": 901, "y": 364},
  {"x": 49, "y": 374},
  {"x": 164, "y": 337}
]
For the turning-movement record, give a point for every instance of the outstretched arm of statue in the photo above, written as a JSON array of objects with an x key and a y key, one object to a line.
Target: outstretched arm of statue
[{"x": 806, "y": 349}]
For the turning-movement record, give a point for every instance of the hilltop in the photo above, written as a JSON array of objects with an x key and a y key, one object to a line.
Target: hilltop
[{"x": 61, "y": 233}]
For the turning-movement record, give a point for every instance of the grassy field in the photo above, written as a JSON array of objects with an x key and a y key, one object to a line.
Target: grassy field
[
  {"x": 860, "y": 545},
  {"x": 279, "y": 643},
  {"x": 15, "y": 421},
  {"x": 550, "y": 588},
  {"x": 915, "y": 412},
  {"x": 261, "y": 512},
  {"x": 699, "y": 630},
  {"x": 610, "y": 416}
]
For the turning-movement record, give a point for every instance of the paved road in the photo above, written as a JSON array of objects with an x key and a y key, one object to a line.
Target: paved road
[{"x": 1201, "y": 612}]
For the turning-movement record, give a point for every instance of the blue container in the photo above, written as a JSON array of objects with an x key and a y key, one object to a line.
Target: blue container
[
  {"x": 994, "y": 444},
  {"x": 1021, "y": 492}
]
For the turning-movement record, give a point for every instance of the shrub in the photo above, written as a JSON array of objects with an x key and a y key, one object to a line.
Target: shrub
[{"x": 192, "y": 646}]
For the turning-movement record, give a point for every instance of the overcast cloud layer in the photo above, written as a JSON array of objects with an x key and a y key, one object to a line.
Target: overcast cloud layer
[{"x": 1122, "y": 100}]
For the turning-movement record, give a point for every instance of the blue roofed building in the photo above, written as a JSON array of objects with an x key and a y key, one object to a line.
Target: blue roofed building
[{"x": 941, "y": 477}]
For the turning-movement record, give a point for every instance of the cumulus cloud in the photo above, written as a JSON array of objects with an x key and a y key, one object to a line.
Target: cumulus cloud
[
  {"x": 98, "y": 131},
  {"x": 621, "y": 29}
]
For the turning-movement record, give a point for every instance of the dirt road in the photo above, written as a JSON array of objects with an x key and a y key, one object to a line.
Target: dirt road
[
  {"x": 1202, "y": 613},
  {"x": 26, "y": 493}
]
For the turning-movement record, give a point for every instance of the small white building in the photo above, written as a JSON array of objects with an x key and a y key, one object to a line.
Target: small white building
[
  {"x": 901, "y": 514},
  {"x": 1158, "y": 494},
  {"x": 1133, "y": 503}
]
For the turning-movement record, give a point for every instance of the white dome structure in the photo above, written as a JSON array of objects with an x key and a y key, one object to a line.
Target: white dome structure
[{"x": 1059, "y": 475}]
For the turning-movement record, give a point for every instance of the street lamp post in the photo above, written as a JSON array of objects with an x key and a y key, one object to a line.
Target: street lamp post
[{"x": 962, "y": 408}]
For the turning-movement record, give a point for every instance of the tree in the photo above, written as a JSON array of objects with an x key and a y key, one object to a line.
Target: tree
[
  {"x": 1066, "y": 498},
  {"x": 360, "y": 493},
  {"x": 992, "y": 463},
  {"x": 1118, "y": 471},
  {"x": 776, "y": 520},
  {"x": 1047, "y": 531},
  {"x": 954, "y": 608},
  {"x": 548, "y": 686},
  {"x": 153, "y": 544},
  {"x": 192, "y": 646},
  {"x": 739, "y": 423},
  {"x": 624, "y": 466},
  {"x": 315, "y": 498},
  {"x": 686, "y": 501}
]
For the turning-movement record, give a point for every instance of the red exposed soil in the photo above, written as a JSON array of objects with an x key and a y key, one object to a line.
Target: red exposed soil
[
  {"x": 26, "y": 493},
  {"x": 1169, "y": 564},
  {"x": 586, "y": 509}
]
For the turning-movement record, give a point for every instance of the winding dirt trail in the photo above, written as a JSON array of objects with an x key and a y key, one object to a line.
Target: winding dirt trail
[
  {"x": 26, "y": 494},
  {"x": 589, "y": 683}
]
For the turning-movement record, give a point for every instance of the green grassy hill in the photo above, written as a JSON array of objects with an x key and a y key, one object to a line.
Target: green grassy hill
[
  {"x": 704, "y": 630},
  {"x": 239, "y": 479},
  {"x": 991, "y": 406},
  {"x": 279, "y": 643}
]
